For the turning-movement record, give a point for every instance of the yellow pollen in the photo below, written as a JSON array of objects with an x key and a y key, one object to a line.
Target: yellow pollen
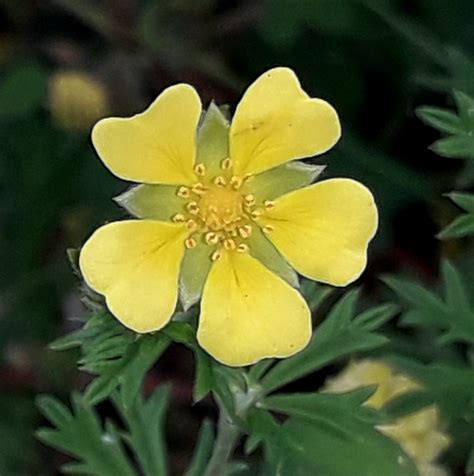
[
  {"x": 242, "y": 248},
  {"x": 215, "y": 256},
  {"x": 198, "y": 189},
  {"x": 192, "y": 207},
  {"x": 211, "y": 238},
  {"x": 255, "y": 214},
  {"x": 191, "y": 225},
  {"x": 226, "y": 164},
  {"x": 269, "y": 204},
  {"x": 236, "y": 182},
  {"x": 221, "y": 181},
  {"x": 249, "y": 200},
  {"x": 229, "y": 244},
  {"x": 268, "y": 229},
  {"x": 200, "y": 169},
  {"x": 179, "y": 218},
  {"x": 184, "y": 192},
  {"x": 245, "y": 231},
  {"x": 190, "y": 243}
]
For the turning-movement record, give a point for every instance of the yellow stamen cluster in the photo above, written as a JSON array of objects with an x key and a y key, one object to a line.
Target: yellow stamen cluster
[{"x": 218, "y": 211}]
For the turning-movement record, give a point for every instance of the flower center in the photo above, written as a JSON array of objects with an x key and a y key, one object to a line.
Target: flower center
[
  {"x": 218, "y": 211},
  {"x": 221, "y": 208}
]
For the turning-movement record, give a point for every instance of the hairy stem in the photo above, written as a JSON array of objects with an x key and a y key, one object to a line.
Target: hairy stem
[{"x": 227, "y": 436}]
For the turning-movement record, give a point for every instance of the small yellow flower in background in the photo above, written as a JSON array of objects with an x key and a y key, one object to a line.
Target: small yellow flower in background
[
  {"x": 223, "y": 216},
  {"x": 419, "y": 433},
  {"x": 76, "y": 100}
]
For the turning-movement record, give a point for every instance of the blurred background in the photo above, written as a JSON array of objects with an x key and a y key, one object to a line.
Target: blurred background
[{"x": 64, "y": 64}]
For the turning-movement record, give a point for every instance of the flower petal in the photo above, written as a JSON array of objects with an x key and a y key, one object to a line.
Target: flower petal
[
  {"x": 156, "y": 146},
  {"x": 248, "y": 313},
  {"x": 323, "y": 230},
  {"x": 135, "y": 265},
  {"x": 276, "y": 121}
]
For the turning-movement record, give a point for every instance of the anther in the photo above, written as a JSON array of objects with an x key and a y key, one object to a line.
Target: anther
[
  {"x": 269, "y": 204},
  {"x": 245, "y": 231},
  {"x": 226, "y": 164},
  {"x": 249, "y": 200},
  {"x": 236, "y": 182},
  {"x": 190, "y": 243},
  {"x": 183, "y": 192},
  {"x": 242, "y": 248},
  {"x": 211, "y": 238},
  {"x": 192, "y": 207},
  {"x": 191, "y": 225},
  {"x": 256, "y": 214},
  {"x": 200, "y": 169},
  {"x": 221, "y": 181},
  {"x": 229, "y": 244},
  {"x": 198, "y": 189},
  {"x": 267, "y": 229},
  {"x": 215, "y": 256},
  {"x": 179, "y": 218}
]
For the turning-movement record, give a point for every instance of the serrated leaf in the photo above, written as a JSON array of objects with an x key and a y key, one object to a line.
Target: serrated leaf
[
  {"x": 79, "y": 434},
  {"x": 202, "y": 451},
  {"x": 456, "y": 147},
  {"x": 339, "y": 335},
  {"x": 203, "y": 377},
  {"x": 145, "y": 421},
  {"x": 441, "y": 119},
  {"x": 454, "y": 314},
  {"x": 464, "y": 224},
  {"x": 407, "y": 403}
]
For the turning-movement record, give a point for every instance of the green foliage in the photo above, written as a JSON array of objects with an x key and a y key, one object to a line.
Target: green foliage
[
  {"x": 327, "y": 434},
  {"x": 458, "y": 127},
  {"x": 338, "y": 336},
  {"x": 80, "y": 434},
  {"x": 464, "y": 224},
  {"x": 114, "y": 354},
  {"x": 453, "y": 313},
  {"x": 202, "y": 451}
]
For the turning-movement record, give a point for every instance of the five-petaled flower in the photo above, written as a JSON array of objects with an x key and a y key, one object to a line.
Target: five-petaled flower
[{"x": 224, "y": 213}]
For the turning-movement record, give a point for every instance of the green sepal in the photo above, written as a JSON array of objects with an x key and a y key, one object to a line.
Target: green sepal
[
  {"x": 213, "y": 140},
  {"x": 262, "y": 249},
  {"x": 283, "y": 179},
  {"x": 195, "y": 267},
  {"x": 158, "y": 202}
]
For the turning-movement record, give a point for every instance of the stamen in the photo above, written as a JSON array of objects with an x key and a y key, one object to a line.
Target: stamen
[
  {"x": 268, "y": 229},
  {"x": 192, "y": 207},
  {"x": 242, "y": 248},
  {"x": 247, "y": 177},
  {"x": 211, "y": 238},
  {"x": 215, "y": 256},
  {"x": 229, "y": 244},
  {"x": 200, "y": 170},
  {"x": 245, "y": 231},
  {"x": 183, "y": 192},
  {"x": 256, "y": 214},
  {"x": 190, "y": 243},
  {"x": 249, "y": 200},
  {"x": 178, "y": 218},
  {"x": 269, "y": 204},
  {"x": 236, "y": 182},
  {"x": 226, "y": 164},
  {"x": 191, "y": 225},
  {"x": 198, "y": 189},
  {"x": 220, "y": 181}
]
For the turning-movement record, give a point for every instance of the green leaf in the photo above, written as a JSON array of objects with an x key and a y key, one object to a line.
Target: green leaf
[
  {"x": 441, "y": 119},
  {"x": 339, "y": 335},
  {"x": 407, "y": 403},
  {"x": 455, "y": 147},
  {"x": 157, "y": 202},
  {"x": 203, "y": 450},
  {"x": 145, "y": 422},
  {"x": 315, "y": 293},
  {"x": 329, "y": 434},
  {"x": 79, "y": 434},
  {"x": 464, "y": 224},
  {"x": 204, "y": 377},
  {"x": 22, "y": 91},
  {"x": 453, "y": 315}
]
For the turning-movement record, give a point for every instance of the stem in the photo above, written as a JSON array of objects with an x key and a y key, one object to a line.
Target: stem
[{"x": 227, "y": 436}]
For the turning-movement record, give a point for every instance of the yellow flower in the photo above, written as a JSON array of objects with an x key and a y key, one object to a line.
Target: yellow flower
[
  {"x": 222, "y": 214},
  {"x": 419, "y": 433},
  {"x": 76, "y": 100}
]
